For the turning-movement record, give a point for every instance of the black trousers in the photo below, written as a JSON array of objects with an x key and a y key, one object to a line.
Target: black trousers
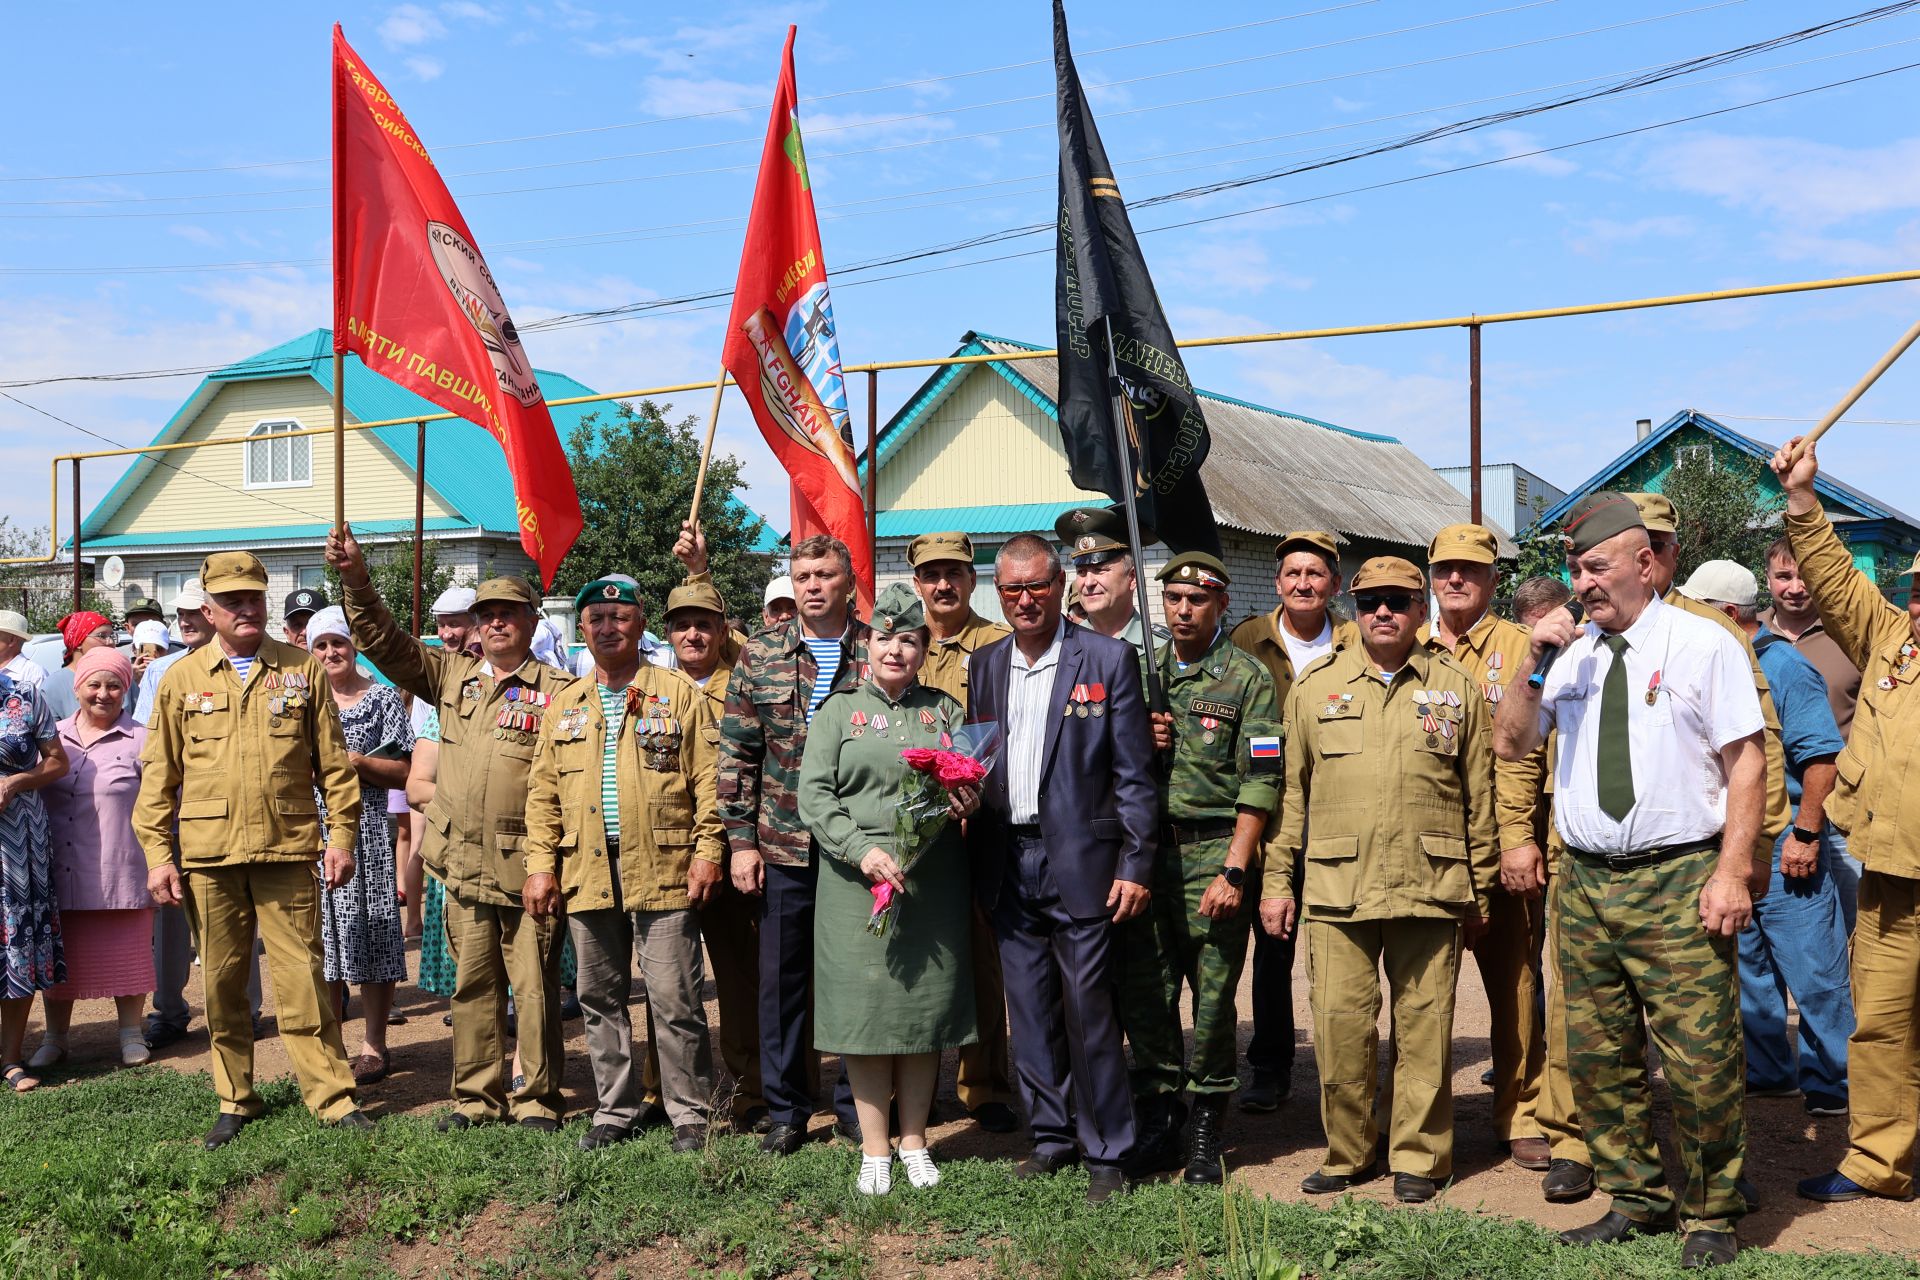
[
  {"x": 786, "y": 998},
  {"x": 1272, "y": 1046}
]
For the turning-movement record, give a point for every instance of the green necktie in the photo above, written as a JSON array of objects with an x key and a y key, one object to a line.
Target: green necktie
[{"x": 1616, "y": 753}]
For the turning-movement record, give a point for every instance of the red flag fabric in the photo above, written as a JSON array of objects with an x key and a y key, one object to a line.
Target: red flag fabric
[
  {"x": 781, "y": 346},
  {"x": 413, "y": 298}
]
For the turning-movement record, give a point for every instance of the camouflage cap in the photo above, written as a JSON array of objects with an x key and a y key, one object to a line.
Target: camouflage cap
[
  {"x": 898, "y": 609},
  {"x": 695, "y": 595},
  {"x": 607, "y": 590},
  {"x": 232, "y": 571},
  {"x": 1656, "y": 512},
  {"x": 512, "y": 588},
  {"x": 1470, "y": 542},
  {"x": 1195, "y": 569},
  {"x": 1600, "y": 515},
  {"x": 145, "y": 604},
  {"x": 931, "y": 547},
  {"x": 1313, "y": 540},
  {"x": 1384, "y": 572},
  {"x": 1095, "y": 535}
]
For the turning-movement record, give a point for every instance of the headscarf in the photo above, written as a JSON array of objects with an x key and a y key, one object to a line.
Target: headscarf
[
  {"x": 549, "y": 643},
  {"x": 76, "y": 627},
  {"x": 330, "y": 621},
  {"x": 105, "y": 658}
]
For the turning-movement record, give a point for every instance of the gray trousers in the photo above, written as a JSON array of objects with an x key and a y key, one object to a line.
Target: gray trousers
[
  {"x": 670, "y": 962},
  {"x": 173, "y": 965}
]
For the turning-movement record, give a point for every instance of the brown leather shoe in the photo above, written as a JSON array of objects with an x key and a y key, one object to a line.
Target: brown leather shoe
[
  {"x": 369, "y": 1068},
  {"x": 1531, "y": 1153}
]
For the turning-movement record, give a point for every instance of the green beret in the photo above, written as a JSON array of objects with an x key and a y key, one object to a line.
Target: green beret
[
  {"x": 898, "y": 609},
  {"x": 1195, "y": 569},
  {"x": 605, "y": 591},
  {"x": 1597, "y": 517}
]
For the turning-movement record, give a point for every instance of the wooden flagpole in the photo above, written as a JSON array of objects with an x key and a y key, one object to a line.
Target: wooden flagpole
[
  {"x": 339, "y": 442},
  {"x": 1859, "y": 389},
  {"x": 706, "y": 450}
]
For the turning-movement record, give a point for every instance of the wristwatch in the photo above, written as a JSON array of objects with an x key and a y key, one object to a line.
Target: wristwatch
[
  {"x": 1236, "y": 876},
  {"x": 1805, "y": 836}
]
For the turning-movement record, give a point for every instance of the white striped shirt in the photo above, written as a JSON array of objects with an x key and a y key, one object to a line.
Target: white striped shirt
[{"x": 1029, "y": 703}]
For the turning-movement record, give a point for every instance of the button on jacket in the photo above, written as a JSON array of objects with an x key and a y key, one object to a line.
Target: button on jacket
[
  {"x": 1491, "y": 652},
  {"x": 477, "y": 823},
  {"x": 1219, "y": 703},
  {"x": 1875, "y": 801},
  {"x": 236, "y": 763},
  {"x": 665, "y": 760},
  {"x": 946, "y": 666},
  {"x": 1395, "y": 817}
]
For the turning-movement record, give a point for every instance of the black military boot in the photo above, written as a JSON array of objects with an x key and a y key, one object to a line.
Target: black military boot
[
  {"x": 1203, "y": 1146},
  {"x": 1157, "y": 1144}
]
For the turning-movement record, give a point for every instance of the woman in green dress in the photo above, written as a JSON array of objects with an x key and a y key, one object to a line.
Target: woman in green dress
[{"x": 889, "y": 1004}]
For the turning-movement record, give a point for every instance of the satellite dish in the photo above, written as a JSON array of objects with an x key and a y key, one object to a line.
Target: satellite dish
[{"x": 113, "y": 572}]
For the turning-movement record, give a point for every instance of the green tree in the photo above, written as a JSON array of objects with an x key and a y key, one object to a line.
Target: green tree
[
  {"x": 390, "y": 568},
  {"x": 1542, "y": 555},
  {"x": 1727, "y": 509},
  {"x": 44, "y": 591},
  {"x": 635, "y": 472}
]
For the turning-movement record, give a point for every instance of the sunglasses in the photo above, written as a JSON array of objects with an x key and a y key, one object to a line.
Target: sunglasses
[
  {"x": 1012, "y": 591},
  {"x": 1398, "y": 601}
]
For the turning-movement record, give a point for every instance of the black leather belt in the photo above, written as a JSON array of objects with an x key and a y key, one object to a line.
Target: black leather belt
[
  {"x": 1627, "y": 861},
  {"x": 1024, "y": 830},
  {"x": 1184, "y": 833}
]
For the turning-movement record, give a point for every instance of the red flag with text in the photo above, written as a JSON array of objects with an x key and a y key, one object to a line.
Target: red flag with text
[
  {"x": 781, "y": 346},
  {"x": 413, "y": 298}
]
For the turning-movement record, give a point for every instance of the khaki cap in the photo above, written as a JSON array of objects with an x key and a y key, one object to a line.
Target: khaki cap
[
  {"x": 1912, "y": 568},
  {"x": 929, "y": 547},
  {"x": 695, "y": 595},
  {"x": 1722, "y": 582},
  {"x": 1656, "y": 512},
  {"x": 1388, "y": 571},
  {"x": 512, "y": 588},
  {"x": 232, "y": 571},
  {"x": 898, "y": 608},
  {"x": 1470, "y": 542},
  {"x": 1599, "y": 516},
  {"x": 1197, "y": 569},
  {"x": 1309, "y": 540}
]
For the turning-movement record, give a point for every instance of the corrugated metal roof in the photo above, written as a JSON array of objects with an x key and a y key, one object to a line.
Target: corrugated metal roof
[
  {"x": 1023, "y": 517},
  {"x": 1269, "y": 472}
]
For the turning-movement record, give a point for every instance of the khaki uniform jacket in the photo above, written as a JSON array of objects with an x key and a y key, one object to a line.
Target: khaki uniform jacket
[
  {"x": 1260, "y": 636},
  {"x": 1872, "y": 801},
  {"x": 946, "y": 666},
  {"x": 477, "y": 824},
  {"x": 1395, "y": 819},
  {"x": 1779, "y": 812},
  {"x": 668, "y": 813},
  {"x": 1491, "y": 652},
  {"x": 236, "y": 763}
]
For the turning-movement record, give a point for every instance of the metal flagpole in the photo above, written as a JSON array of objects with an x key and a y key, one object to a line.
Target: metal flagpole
[{"x": 1122, "y": 408}]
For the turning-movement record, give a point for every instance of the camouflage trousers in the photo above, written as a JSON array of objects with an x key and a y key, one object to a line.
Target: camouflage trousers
[
  {"x": 1177, "y": 945},
  {"x": 1636, "y": 961}
]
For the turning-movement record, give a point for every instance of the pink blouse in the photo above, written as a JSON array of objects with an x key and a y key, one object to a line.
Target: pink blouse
[{"x": 97, "y": 864}]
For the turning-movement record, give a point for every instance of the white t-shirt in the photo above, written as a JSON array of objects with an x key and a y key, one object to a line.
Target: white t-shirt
[
  {"x": 1304, "y": 653},
  {"x": 1702, "y": 698}
]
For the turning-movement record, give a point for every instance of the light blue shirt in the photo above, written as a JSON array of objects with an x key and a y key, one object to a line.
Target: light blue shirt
[{"x": 150, "y": 684}]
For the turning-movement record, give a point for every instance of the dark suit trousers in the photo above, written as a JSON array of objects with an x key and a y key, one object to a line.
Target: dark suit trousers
[
  {"x": 1061, "y": 1004},
  {"x": 786, "y": 997},
  {"x": 1272, "y": 1046}
]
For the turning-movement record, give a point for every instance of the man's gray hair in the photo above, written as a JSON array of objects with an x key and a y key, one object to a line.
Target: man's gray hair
[{"x": 1029, "y": 546}]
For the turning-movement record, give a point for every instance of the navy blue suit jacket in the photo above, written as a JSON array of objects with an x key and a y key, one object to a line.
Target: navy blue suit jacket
[{"x": 1097, "y": 795}]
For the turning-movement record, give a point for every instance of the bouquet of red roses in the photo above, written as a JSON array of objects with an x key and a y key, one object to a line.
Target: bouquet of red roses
[{"x": 933, "y": 773}]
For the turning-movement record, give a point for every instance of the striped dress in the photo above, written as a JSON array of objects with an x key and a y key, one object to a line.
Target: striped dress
[{"x": 29, "y": 919}]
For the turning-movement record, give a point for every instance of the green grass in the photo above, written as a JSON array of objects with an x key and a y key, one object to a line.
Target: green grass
[{"x": 105, "y": 1177}]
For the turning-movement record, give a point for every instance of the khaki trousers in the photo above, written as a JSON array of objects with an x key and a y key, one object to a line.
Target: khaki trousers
[
  {"x": 1422, "y": 962},
  {"x": 1514, "y": 1026},
  {"x": 278, "y": 903},
  {"x": 1554, "y": 1112},
  {"x": 733, "y": 954},
  {"x": 495, "y": 946},
  {"x": 677, "y": 1037},
  {"x": 1883, "y": 1056},
  {"x": 985, "y": 1074}
]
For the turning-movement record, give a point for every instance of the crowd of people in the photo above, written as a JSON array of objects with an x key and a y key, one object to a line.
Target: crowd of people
[{"x": 1654, "y": 829}]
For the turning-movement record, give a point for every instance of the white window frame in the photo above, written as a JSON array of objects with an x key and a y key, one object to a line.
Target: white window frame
[
  {"x": 311, "y": 577},
  {"x": 299, "y": 450}
]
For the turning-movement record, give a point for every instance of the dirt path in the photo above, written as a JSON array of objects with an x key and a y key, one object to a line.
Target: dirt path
[{"x": 1271, "y": 1153}]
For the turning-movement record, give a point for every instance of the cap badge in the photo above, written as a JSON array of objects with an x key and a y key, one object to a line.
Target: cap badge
[
  {"x": 610, "y": 592},
  {"x": 1084, "y": 542}
]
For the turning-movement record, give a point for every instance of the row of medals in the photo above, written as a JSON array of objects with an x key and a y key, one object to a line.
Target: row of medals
[{"x": 1431, "y": 705}]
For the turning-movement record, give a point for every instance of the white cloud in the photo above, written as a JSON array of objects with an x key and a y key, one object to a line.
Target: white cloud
[
  {"x": 685, "y": 95},
  {"x": 410, "y": 25},
  {"x": 1595, "y": 237},
  {"x": 424, "y": 68},
  {"x": 1802, "y": 183},
  {"x": 1226, "y": 267},
  {"x": 196, "y": 234},
  {"x": 471, "y": 12},
  {"x": 1509, "y": 145}
]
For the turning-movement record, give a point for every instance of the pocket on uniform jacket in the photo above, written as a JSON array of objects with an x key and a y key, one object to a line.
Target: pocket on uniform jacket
[
  {"x": 1447, "y": 856},
  {"x": 1345, "y": 736},
  {"x": 211, "y": 807},
  {"x": 1333, "y": 872},
  {"x": 295, "y": 807}
]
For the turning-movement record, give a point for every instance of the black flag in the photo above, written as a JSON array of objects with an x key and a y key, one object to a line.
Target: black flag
[{"x": 1102, "y": 295}]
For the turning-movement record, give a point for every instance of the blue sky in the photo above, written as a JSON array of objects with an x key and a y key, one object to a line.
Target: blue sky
[{"x": 625, "y": 199}]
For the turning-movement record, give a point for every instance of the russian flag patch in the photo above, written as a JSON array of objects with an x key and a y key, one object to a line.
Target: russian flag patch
[{"x": 1264, "y": 755}]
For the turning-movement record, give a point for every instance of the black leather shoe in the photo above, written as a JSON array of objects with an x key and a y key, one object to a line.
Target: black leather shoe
[
  {"x": 603, "y": 1135},
  {"x": 224, "y": 1130},
  {"x": 539, "y": 1124},
  {"x": 452, "y": 1122},
  {"x": 783, "y": 1139},
  {"x": 651, "y": 1118},
  {"x": 1411, "y": 1188},
  {"x": 1567, "y": 1181},
  {"x": 1614, "y": 1228},
  {"x": 1204, "y": 1167},
  {"x": 1044, "y": 1164},
  {"x": 359, "y": 1121},
  {"x": 1708, "y": 1249},
  {"x": 847, "y": 1131},
  {"x": 995, "y": 1117},
  {"x": 1321, "y": 1183},
  {"x": 1268, "y": 1090},
  {"x": 569, "y": 1005},
  {"x": 1104, "y": 1183},
  {"x": 1158, "y": 1131},
  {"x": 754, "y": 1120},
  {"x": 161, "y": 1034},
  {"x": 689, "y": 1137}
]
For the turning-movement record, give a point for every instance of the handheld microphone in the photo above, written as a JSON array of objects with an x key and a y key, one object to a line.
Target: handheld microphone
[{"x": 1547, "y": 655}]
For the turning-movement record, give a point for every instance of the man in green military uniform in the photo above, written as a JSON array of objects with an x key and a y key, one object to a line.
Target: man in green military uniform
[
  {"x": 944, "y": 578},
  {"x": 1298, "y": 632},
  {"x": 1222, "y": 740},
  {"x": 491, "y": 710},
  {"x": 1389, "y": 797},
  {"x": 1104, "y": 574}
]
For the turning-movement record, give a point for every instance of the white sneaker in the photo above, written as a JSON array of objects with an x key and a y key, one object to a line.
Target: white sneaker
[
  {"x": 876, "y": 1175},
  {"x": 49, "y": 1052},
  {"x": 921, "y": 1171}
]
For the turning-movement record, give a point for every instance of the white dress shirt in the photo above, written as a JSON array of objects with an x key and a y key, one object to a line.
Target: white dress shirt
[
  {"x": 24, "y": 670},
  {"x": 1702, "y": 699},
  {"x": 1029, "y": 703}
]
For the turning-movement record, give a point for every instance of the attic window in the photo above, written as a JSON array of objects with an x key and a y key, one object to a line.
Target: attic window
[{"x": 277, "y": 462}]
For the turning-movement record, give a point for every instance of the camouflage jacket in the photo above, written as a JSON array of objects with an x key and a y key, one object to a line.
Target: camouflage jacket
[
  {"x": 764, "y": 735},
  {"x": 1226, "y": 735}
]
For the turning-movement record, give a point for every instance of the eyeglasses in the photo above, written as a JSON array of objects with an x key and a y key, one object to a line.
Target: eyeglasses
[
  {"x": 1398, "y": 601},
  {"x": 1012, "y": 591}
]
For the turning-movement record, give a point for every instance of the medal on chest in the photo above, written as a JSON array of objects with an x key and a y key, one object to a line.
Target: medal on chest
[
  {"x": 859, "y": 722},
  {"x": 1653, "y": 689}
]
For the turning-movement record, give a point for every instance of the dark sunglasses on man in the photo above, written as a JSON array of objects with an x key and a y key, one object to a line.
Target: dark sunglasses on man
[{"x": 1397, "y": 601}]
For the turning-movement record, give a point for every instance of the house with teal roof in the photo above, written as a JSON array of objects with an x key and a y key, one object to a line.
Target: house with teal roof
[{"x": 273, "y": 495}]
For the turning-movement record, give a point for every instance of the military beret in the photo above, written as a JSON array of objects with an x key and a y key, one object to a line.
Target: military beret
[
  {"x": 609, "y": 590},
  {"x": 898, "y": 609},
  {"x": 695, "y": 595},
  {"x": 1469, "y": 542},
  {"x": 1321, "y": 544},
  {"x": 1197, "y": 569},
  {"x": 1656, "y": 512},
  {"x": 513, "y": 589},
  {"x": 1388, "y": 571},
  {"x": 1597, "y": 517},
  {"x": 1094, "y": 535},
  {"x": 232, "y": 571},
  {"x": 930, "y": 547}
]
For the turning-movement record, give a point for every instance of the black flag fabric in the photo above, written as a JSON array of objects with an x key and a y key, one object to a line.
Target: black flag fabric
[{"x": 1102, "y": 293}]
